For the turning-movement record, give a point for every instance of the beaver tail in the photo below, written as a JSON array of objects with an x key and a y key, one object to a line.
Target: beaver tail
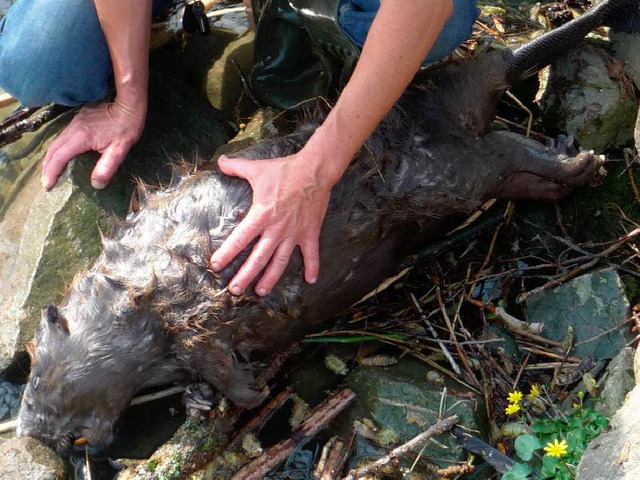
[{"x": 538, "y": 53}]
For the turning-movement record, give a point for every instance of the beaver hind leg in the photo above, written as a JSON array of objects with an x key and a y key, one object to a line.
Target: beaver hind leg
[
  {"x": 536, "y": 172},
  {"x": 217, "y": 365}
]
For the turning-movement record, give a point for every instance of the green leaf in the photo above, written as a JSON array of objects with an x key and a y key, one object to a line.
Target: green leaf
[
  {"x": 549, "y": 466},
  {"x": 525, "y": 446},
  {"x": 520, "y": 471}
]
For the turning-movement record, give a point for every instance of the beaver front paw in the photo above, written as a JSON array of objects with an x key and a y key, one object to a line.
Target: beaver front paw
[{"x": 198, "y": 400}]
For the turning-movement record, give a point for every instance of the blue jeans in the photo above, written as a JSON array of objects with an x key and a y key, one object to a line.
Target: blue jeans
[
  {"x": 54, "y": 51},
  {"x": 355, "y": 17}
]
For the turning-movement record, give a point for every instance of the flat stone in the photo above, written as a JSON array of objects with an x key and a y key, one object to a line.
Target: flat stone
[
  {"x": 593, "y": 304},
  {"x": 402, "y": 403}
]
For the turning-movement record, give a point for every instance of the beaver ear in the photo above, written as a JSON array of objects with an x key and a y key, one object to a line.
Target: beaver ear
[{"x": 54, "y": 321}]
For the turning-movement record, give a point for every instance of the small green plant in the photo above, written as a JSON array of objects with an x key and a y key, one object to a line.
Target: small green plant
[{"x": 554, "y": 445}]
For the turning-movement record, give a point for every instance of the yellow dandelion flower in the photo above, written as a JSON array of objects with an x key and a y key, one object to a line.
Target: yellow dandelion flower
[
  {"x": 535, "y": 392},
  {"x": 515, "y": 397},
  {"x": 556, "y": 449},
  {"x": 512, "y": 408}
]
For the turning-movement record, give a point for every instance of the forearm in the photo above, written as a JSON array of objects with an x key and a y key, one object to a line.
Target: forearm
[
  {"x": 126, "y": 26},
  {"x": 399, "y": 39}
]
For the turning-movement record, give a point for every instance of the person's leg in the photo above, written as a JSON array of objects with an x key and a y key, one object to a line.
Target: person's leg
[
  {"x": 355, "y": 18},
  {"x": 54, "y": 51}
]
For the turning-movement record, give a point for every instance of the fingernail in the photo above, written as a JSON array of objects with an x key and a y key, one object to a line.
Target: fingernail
[
  {"x": 235, "y": 290},
  {"x": 97, "y": 184},
  {"x": 261, "y": 291},
  {"x": 313, "y": 280},
  {"x": 215, "y": 266}
]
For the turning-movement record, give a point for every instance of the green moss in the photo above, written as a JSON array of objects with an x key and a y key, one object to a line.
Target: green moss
[
  {"x": 600, "y": 210},
  {"x": 631, "y": 288}
]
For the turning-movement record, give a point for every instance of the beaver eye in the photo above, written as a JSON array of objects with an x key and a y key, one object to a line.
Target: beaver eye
[{"x": 35, "y": 381}]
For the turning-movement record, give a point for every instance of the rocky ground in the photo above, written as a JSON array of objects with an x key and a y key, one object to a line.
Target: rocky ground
[{"x": 527, "y": 298}]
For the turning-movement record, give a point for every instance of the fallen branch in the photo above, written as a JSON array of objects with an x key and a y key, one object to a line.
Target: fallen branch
[
  {"x": 259, "y": 420},
  {"x": 13, "y": 128},
  {"x": 271, "y": 457},
  {"x": 332, "y": 459},
  {"x": 513, "y": 324},
  {"x": 556, "y": 282},
  {"x": 442, "y": 426}
]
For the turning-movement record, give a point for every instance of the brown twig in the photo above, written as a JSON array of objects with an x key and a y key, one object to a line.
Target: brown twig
[
  {"x": 630, "y": 158},
  {"x": 275, "y": 364},
  {"x": 556, "y": 282},
  {"x": 523, "y": 107},
  {"x": 441, "y": 426},
  {"x": 434, "y": 334},
  {"x": 334, "y": 456},
  {"x": 538, "y": 136},
  {"x": 327, "y": 410},
  {"x": 259, "y": 420},
  {"x": 14, "y": 130},
  {"x": 461, "y": 353},
  {"x": 524, "y": 329}
]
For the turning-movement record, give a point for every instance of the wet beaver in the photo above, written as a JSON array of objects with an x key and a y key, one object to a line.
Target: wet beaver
[{"x": 150, "y": 312}]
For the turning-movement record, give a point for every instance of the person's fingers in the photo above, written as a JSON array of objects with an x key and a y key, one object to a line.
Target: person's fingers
[
  {"x": 59, "y": 154},
  {"x": 276, "y": 267},
  {"x": 107, "y": 165},
  {"x": 236, "y": 167},
  {"x": 258, "y": 259},
  {"x": 237, "y": 241},
  {"x": 310, "y": 248}
]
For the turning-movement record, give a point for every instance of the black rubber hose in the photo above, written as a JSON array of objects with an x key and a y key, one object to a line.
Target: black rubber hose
[{"x": 541, "y": 51}]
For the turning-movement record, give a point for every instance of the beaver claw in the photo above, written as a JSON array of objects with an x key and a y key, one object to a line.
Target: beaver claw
[{"x": 198, "y": 400}]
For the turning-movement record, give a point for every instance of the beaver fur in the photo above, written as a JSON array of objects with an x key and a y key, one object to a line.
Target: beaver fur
[{"x": 150, "y": 311}]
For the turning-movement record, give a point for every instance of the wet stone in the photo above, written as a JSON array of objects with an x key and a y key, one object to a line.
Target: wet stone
[
  {"x": 28, "y": 459},
  {"x": 591, "y": 304},
  {"x": 582, "y": 99},
  {"x": 615, "y": 454},
  {"x": 402, "y": 404},
  {"x": 618, "y": 382}
]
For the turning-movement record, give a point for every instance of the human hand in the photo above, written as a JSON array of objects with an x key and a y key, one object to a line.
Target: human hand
[
  {"x": 109, "y": 128},
  {"x": 290, "y": 200}
]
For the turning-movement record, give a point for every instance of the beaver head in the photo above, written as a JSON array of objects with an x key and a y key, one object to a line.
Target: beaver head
[{"x": 90, "y": 357}]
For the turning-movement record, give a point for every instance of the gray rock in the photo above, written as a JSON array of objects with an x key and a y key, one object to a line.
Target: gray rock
[
  {"x": 47, "y": 237},
  {"x": 581, "y": 99},
  {"x": 618, "y": 382},
  {"x": 402, "y": 404},
  {"x": 28, "y": 459},
  {"x": 626, "y": 47},
  {"x": 592, "y": 304},
  {"x": 616, "y": 454}
]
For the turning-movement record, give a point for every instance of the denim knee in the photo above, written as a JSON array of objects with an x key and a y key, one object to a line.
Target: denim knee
[{"x": 54, "y": 51}]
